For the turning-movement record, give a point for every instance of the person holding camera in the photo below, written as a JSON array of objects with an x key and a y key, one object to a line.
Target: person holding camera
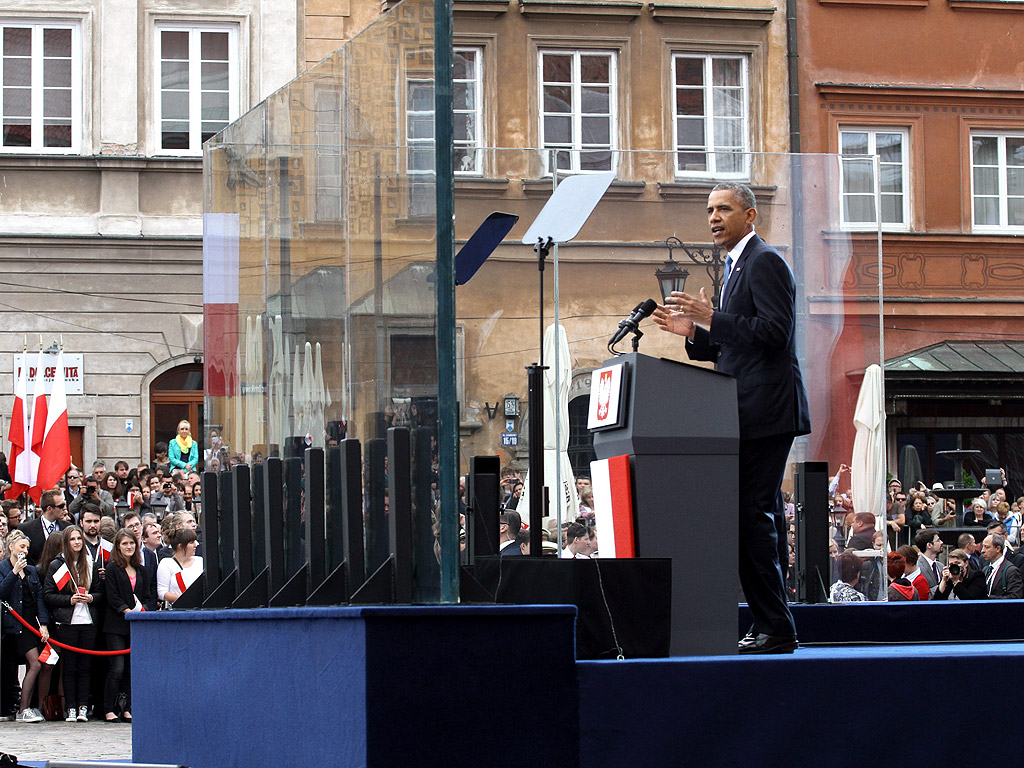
[
  {"x": 959, "y": 580},
  {"x": 91, "y": 494},
  {"x": 164, "y": 493}
]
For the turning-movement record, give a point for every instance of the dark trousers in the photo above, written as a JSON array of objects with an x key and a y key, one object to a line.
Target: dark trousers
[
  {"x": 762, "y": 465},
  {"x": 10, "y": 690},
  {"x": 76, "y": 667},
  {"x": 119, "y": 673}
]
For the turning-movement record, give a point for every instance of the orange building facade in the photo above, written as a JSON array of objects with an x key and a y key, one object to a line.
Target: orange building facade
[{"x": 933, "y": 88}]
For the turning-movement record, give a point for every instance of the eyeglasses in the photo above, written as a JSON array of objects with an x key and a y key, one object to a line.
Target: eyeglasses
[{"x": 59, "y": 506}]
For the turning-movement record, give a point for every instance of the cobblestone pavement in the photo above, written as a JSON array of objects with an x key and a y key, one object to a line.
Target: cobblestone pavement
[{"x": 58, "y": 740}]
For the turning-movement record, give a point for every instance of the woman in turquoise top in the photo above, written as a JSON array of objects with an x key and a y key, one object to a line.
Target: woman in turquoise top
[{"x": 183, "y": 451}]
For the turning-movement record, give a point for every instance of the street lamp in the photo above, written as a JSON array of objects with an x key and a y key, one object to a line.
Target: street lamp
[
  {"x": 709, "y": 256},
  {"x": 670, "y": 276}
]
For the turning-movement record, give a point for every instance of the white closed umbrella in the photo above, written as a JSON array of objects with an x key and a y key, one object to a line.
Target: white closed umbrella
[
  {"x": 564, "y": 503},
  {"x": 275, "y": 381},
  {"x": 867, "y": 470}
]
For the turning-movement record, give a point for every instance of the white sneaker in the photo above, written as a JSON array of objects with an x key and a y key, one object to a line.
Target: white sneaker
[
  {"x": 83, "y": 714},
  {"x": 36, "y": 711},
  {"x": 72, "y": 716},
  {"x": 28, "y": 716}
]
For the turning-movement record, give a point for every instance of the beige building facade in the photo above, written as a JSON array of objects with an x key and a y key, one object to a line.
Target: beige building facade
[{"x": 106, "y": 104}]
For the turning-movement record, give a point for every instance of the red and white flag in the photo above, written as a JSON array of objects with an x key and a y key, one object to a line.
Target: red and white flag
[
  {"x": 16, "y": 436},
  {"x": 55, "y": 451},
  {"x": 62, "y": 576},
  {"x": 38, "y": 429},
  {"x": 181, "y": 582},
  {"x": 613, "y": 506},
  {"x": 49, "y": 655},
  {"x": 105, "y": 549}
]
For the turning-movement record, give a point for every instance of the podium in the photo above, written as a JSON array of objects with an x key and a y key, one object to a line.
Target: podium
[{"x": 680, "y": 427}]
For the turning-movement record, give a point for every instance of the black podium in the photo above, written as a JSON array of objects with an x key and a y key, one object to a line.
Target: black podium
[{"x": 681, "y": 429}]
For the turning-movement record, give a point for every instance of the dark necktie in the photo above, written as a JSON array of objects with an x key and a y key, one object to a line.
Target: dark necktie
[{"x": 725, "y": 277}]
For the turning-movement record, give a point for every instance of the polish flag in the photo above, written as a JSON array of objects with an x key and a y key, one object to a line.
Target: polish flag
[
  {"x": 38, "y": 429},
  {"x": 613, "y": 506},
  {"x": 49, "y": 655},
  {"x": 55, "y": 451},
  {"x": 105, "y": 549},
  {"x": 16, "y": 436},
  {"x": 62, "y": 576},
  {"x": 181, "y": 582}
]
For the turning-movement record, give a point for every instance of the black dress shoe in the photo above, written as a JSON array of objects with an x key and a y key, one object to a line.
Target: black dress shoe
[{"x": 771, "y": 644}]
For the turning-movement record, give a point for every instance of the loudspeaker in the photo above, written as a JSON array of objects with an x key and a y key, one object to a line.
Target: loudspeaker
[
  {"x": 482, "y": 505},
  {"x": 813, "y": 563}
]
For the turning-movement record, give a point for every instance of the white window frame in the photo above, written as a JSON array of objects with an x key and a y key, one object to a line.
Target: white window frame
[
  {"x": 330, "y": 202},
  {"x": 872, "y": 132},
  {"x": 474, "y": 144},
  {"x": 195, "y": 29},
  {"x": 709, "y": 148},
  {"x": 37, "y": 26},
  {"x": 419, "y": 208},
  {"x": 576, "y": 147},
  {"x": 1003, "y": 194}
]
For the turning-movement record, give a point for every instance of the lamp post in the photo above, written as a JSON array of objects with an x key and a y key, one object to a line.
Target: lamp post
[{"x": 708, "y": 256}]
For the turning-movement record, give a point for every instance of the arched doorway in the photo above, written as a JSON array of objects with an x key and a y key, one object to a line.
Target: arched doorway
[{"x": 175, "y": 395}]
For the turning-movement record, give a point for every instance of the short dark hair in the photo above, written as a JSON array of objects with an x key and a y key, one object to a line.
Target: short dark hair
[
  {"x": 120, "y": 464},
  {"x": 849, "y": 567},
  {"x": 90, "y": 509},
  {"x": 744, "y": 194},
  {"x": 995, "y": 524},
  {"x": 864, "y": 517},
  {"x": 128, "y": 516},
  {"x": 513, "y": 520},
  {"x": 924, "y": 538},
  {"x": 46, "y": 500},
  {"x": 964, "y": 539},
  {"x": 575, "y": 531}
]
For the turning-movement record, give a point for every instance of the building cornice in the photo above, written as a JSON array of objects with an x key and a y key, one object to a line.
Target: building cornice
[
  {"x": 581, "y": 9},
  {"x": 924, "y": 93},
  {"x": 712, "y": 14},
  {"x": 13, "y": 162}
]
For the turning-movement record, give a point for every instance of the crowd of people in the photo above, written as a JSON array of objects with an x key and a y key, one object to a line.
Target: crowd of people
[
  {"x": 578, "y": 534},
  {"x": 95, "y": 548},
  {"x": 913, "y": 555}
]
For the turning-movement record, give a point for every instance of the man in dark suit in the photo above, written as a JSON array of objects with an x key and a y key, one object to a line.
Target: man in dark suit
[
  {"x": 53, "y": 505},
  {"x": 1002, "y": 579},
  {"x": 751, "y": 336}
]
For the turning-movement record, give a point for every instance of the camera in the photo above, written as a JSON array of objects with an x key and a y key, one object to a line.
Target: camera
[{"x": 954, "y": 569}]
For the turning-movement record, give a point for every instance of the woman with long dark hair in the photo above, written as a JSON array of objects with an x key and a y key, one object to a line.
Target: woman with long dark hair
[
  {"x": 126, "y": 586},
  {"x": 72, "y": 590},
  {"x": 21, "y": 589}
]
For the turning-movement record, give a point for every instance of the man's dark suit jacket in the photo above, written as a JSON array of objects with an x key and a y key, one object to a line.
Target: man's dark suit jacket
[
  {"x": 752, "y": 338},
  {"x": 36, "y": 538},
  {"x": 149, "y": 564},
  {"x": 1007, "y": 582}
]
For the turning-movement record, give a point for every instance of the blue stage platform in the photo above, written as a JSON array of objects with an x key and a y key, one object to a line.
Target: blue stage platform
[{"x": 499, "y": 686}]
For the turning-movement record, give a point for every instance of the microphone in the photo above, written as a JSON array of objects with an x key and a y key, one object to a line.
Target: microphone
[{"x": 629, "y": 325}]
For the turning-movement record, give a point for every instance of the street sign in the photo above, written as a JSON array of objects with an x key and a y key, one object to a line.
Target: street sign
[{"x": 509, "y": 439}]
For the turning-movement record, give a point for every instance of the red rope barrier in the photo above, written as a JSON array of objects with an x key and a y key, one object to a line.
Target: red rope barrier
[{"x": 59, "y": 644}]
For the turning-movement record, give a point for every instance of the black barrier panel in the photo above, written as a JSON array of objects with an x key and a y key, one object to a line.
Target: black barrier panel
[
  {"x": 482, "y": 505},
  {"x": 813, "y": 562},
  {"x": 226, "y": 518},
  {"x": 293, "y": 515},
  {"x": 315, "y": 534},
  {"x": 335, "y": 534},
  {"x": 259, "y": 518},
  {"x": 377, "y": 548},
  {"x": 211, "y": 531},
  {"x": 273, "y": 494},
  {"x": 400, "y": 512},
  {"x": 241, "y": 484},
  {"x": 352, "y": 510}
]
